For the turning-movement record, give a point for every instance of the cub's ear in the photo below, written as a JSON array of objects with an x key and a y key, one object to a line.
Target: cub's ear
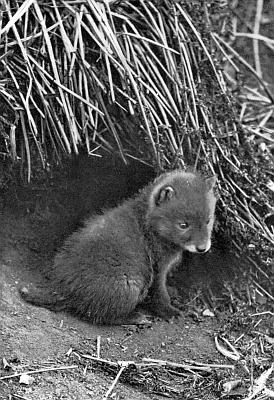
[
  {"x": 164, "y": 195},
  {"x": 211, "y": 182}
]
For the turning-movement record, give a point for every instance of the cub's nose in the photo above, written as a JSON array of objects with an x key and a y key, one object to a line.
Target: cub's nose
[{"x": 201, "y": 249}]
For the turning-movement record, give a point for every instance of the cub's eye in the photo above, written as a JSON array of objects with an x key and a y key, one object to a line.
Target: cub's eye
[
  {"x": 183, "y": 225},
  {"x": 208, "y": 221}
]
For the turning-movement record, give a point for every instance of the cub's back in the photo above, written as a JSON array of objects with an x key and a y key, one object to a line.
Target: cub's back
[{"x": 108, "y": 245}]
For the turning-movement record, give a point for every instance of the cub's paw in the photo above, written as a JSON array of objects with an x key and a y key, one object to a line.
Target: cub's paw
[
  {"x": 43, "y": 298},
  {"x": 136, "y": 318},
  {"x": 166, "y": 311}
]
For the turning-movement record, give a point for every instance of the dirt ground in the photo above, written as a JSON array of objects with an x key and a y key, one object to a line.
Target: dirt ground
[{"x": 34, "y": 221}]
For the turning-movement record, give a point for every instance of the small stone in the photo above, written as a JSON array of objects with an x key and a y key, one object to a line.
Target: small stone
[
  {"x": 208, "y": 313},
  {"x": 26, "y": 379}
]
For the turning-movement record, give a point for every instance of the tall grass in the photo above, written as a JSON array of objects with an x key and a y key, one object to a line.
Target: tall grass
[{"x": 65, "y": 63}]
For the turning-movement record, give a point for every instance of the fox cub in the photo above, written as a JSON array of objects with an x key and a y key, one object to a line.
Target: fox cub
[{"x": 106, "y": 269}]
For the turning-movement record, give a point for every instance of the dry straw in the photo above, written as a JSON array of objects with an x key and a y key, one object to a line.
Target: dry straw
[{"x": 66, "y": 62}]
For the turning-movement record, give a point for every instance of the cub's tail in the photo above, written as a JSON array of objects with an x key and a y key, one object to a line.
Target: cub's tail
[{"x": 43, "y": 298}]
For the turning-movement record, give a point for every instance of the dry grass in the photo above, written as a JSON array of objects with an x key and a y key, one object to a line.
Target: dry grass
[{"x": 64, "y": 65}]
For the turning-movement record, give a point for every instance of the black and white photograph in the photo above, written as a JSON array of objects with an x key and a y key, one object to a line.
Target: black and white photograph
[{"x": 136, "y": 199}]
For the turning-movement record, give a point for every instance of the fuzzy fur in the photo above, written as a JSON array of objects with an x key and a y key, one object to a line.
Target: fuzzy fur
[{"x": 104, "y": 270}]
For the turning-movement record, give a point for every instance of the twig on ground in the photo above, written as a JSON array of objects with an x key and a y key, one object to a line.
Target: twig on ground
[
  {"x": 38, "y": 371},
  {"x": 259, "y": 384},
  {"x": 17, "y": 396},
  {"x": 233, "y": 354},
  {"x": 194, "y": 366},
  {"x": 98, "y": 346},
  {"x": 123, "y": 365},
  {"x": 101, "y": 360},
  {"x": 262, "y": 313},
  {"x": 259, "y": 10},
  {"x": 151, "y": 362}
]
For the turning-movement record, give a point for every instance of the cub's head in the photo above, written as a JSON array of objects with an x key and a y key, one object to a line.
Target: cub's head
[{"x": 181, "y": 209}]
